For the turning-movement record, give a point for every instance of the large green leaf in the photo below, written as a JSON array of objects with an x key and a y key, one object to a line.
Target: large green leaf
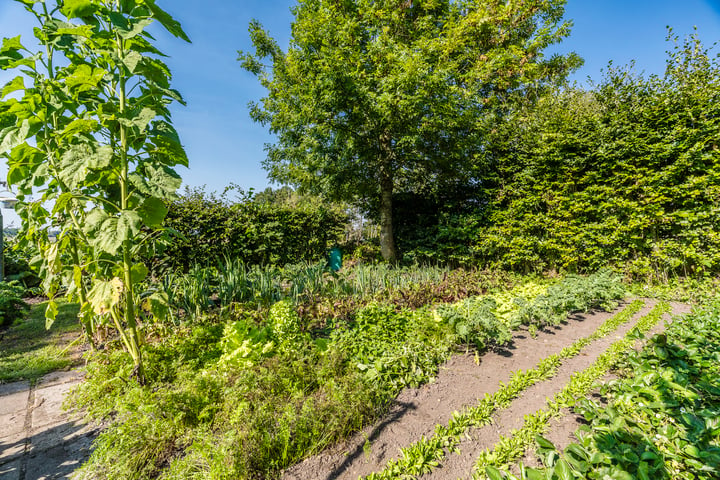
[
  {"x": 138, "y": 273},
  {"x": 51, "y": 312},
  {"x": 80, "y": 158},
  {"x": 75, "y": 30},
  {"x": 168, "y": 148},
  {"x": 24, "y": 159},
  {"x": 107, "y": 233},
  {"x": 78, "y": 126},
  {"x": 153, "y": 212},
  {"x": 13, "y": 136},
  {"x": 563, "y": 470},
  {"x": 158, "y": 305},
  {"x": 493, "y": 473},
  {"x": 104, "y": 295},
  {"x": 159, "y": 182},
  {"x": 129, "y": 28},
  {"x": 78, "y": 8},
  {"x": 141, "y": 120},
  {"x": 52, "y": 255},
  {"x": 17, "y": 83},
  {"x": 131, "y": 61},
  {"x": 84, "y": 78},
  {"x": 10, "y": 47},
  {"x": 172, "y": 25}
]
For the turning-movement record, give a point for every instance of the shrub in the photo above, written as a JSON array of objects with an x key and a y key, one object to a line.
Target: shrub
[{"x": 12, "y": 306}]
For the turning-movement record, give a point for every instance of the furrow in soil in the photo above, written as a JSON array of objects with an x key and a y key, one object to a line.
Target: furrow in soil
[{"x": 460, "y": 383}]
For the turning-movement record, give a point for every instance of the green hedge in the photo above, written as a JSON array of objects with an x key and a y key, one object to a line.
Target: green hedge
[
  {"x": 625, "y": 174},
  {"x": 210, "y": 227}
]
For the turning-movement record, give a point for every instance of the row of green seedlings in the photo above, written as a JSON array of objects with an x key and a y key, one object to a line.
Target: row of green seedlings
[
  {"x": 661, "y": 419},
  {"x": 490, "y": 320},
  {"x": 421, "y": 457},
  {"x": 512, "y": 447}
]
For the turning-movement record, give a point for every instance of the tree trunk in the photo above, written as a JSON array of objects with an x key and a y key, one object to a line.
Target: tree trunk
[{"x": 387, "y": 238}]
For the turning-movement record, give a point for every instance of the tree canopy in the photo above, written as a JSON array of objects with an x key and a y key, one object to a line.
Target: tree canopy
[{"x": 377, "y": 97}]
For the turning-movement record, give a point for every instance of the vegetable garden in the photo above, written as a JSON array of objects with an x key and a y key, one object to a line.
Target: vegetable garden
[{"x": 218, "y": 343}]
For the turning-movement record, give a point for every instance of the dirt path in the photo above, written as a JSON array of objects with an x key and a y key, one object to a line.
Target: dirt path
[
  {"x": 562, "y": 429},
  {"x": 38, "y": 440},
  {"x": 461, "y": 382}
]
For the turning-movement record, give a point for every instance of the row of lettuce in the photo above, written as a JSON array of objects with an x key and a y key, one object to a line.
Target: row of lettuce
[
  {"x": 424, "y": 455},
  {"x": 659, "y": 420},
  {"x": 246, "y": 392}
]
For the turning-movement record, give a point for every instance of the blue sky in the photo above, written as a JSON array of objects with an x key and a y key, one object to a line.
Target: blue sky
[{"x": 225, "y": 146}]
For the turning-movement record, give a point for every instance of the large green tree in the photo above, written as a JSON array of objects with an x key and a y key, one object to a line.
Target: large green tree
[{"x": 378, "y": 97}]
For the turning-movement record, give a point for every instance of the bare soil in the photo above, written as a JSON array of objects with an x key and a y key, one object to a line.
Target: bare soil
[
  {"x": 562, "y": 429},
  {"x": 460, "y": 383}
]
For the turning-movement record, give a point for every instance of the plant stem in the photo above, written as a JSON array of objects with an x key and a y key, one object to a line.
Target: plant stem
[{"x": 129, "y": 312}]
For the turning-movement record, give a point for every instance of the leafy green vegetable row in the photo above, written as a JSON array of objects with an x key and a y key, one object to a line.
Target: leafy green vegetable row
[
  {"x": 662, "y": 419},
  {"x": 484, "y": 321},
  {"x": 512, "y": 447},
  {"x": 257, "y": 392},
  {"x": 422, "y": 456}
]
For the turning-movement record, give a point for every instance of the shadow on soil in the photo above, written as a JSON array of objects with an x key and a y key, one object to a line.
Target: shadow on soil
[{"x": 401, "y": 409}]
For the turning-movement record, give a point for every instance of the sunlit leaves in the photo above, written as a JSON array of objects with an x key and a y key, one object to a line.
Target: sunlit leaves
[
  {"x": 17, "y": 83},
  {"x": 156, "y": 181},
  {"x": 84, "y": 78},
  {"x": 78, "y": 159},
  {"x": 78, "y": 8},
  {"x": 108, "y": 232},
  {"x": 91, "y": 129},
  {"x": 9, "y": 52},
  {"x": 644, "y": 429},
  {"x": 167, "y": 21},
  {"x": 621, "y": 174},
  {"x": 153, "y": 211},
  {"x": 14, "y": 136},
  {"x": 51, "y": 312},
  {"x": 374, "y": 99},
  {"x": 105, "y": 295}
]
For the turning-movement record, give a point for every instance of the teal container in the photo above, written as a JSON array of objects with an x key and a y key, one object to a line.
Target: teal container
[{"x": 335, "y": 259}]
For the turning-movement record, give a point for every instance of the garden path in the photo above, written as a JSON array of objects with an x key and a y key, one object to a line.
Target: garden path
[{"x": 38, "y": 440}]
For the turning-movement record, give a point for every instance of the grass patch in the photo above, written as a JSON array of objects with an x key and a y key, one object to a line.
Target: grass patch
[{"x": 28, "y": 351}]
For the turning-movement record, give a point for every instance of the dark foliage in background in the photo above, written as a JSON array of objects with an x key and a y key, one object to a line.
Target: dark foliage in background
[{"x": 17, "y": 263}]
